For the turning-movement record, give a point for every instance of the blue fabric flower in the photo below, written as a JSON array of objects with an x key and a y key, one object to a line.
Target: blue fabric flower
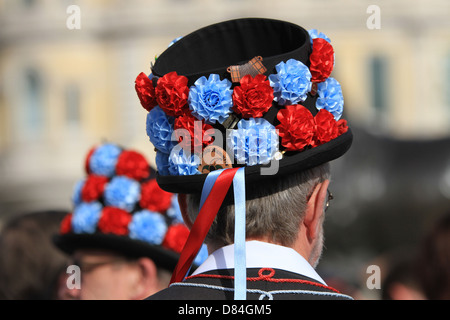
[
  {"x": 159, "y": 129},
  {"x": 291, "y": 83},
  {"x": 85, "y": 217},
  {"x": 211, "y": 99},
  {"x": 162, "y": 163},
  {"x": 174, "y": 40},
  {"x": 174, "y": 212},
  {"x": 330, "y": 97},
  {"x": 254, "y": 142},
  {"x": 313, "y": 34},
  {"x": 182, "y": 164},
  {"x": 122, "y": 192},
  {"x": 104, "y": 158},
  {"x": 76, "y": 194},
  {"x": 201, "y": 255},
  {"x": 148, "y": 226}
]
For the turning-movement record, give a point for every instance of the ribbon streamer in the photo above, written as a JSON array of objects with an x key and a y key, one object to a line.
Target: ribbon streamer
[
  {"x": 212, "y": 202},
  {"x": 214, "y": 191},
  {"x": 240, "y": 269}
]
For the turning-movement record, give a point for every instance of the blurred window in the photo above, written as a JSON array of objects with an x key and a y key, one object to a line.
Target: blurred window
[
  {"x": 447, "y": 80},
  {"x": 72, "y": 101},
  {"x": 34, "y": 108},
  {"x": 29, "y": 3},
  {"x": 379, "y": 84}
]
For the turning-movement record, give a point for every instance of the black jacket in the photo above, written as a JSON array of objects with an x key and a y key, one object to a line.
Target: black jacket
[{"x": 262, "y": 283}]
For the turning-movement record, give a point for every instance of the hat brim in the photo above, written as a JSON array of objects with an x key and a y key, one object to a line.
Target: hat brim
[
  {"x": 123, "y": 245},
  {"x": 289, "y": 164}
]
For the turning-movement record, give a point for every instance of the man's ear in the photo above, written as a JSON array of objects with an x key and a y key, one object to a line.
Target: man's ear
[
  {"x": 182, "y": 202},
  {"x": 147, "y": 282},
  {"x": 315, "y": 210}
]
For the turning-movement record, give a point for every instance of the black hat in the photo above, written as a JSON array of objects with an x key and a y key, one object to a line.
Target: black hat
[
  {"x": 252, "y": 97},
  {"x": 119, "y": 207},
  {"x": 259, "y": 92}
]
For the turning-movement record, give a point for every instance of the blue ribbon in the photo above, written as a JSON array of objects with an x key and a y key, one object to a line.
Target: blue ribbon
[
  {"x": 207, "y": 186},
  {"x": 240, "y": 270}
]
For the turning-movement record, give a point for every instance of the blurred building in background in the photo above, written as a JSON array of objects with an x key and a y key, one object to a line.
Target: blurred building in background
[{"x": 63, "y": 90}]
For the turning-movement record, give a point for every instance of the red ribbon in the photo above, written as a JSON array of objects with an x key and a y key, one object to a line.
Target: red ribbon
[{"x": 203, "y": 223}]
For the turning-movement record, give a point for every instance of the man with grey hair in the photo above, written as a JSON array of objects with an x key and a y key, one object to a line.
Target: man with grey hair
[
  {"x": 284, "y": 241},
  {"x": 258, "y": 201},
  {"x": 276, "y": 213}
]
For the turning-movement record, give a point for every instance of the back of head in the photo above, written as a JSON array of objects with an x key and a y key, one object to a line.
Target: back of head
[
  {"x": 273, "y": 211},
  {"x": 29, "y": 263}
]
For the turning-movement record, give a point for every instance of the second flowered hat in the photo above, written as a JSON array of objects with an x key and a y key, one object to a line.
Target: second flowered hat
[{"x": 119, "y": 206}]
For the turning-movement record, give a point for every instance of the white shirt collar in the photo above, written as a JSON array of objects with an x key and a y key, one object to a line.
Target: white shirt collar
[{"x": 261, "y": 255}]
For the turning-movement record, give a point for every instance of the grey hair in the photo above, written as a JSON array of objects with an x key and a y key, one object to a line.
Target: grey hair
[{"x": 274, "y": 210}]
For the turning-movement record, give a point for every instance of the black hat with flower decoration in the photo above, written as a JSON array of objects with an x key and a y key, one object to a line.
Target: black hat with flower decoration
[
  {"x": 119, "y": 207},
  {"x": 248, "y": 95}
]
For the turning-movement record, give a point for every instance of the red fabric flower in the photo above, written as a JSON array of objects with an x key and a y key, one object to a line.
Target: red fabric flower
[
  {"x": 253, "y": 97},
  {"x": 176, "y": 237},
  {"x": 326, "y": 128},
  {"x": 114, "y": 220},
  {"x": 154, "y": 198},
  {"x": 196, "y": 129},
  {"x": 172, "y": 93},
  {"x": 145, "y": 91},
  {"x": 342, "y": 126},
  {"x": 296, "y": 128},
  {"x": 66, "y": 224},
  {"x": 133, "y": 165},
  {"x": 87, "y": 167},
  {"x": 93, "y": 187},
  {"x": 322, "y": 60}
]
